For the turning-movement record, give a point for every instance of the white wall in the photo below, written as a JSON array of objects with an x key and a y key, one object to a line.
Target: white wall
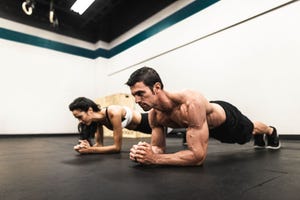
[
  {"x": 108, "y": 84},
  {"x": 38, "y": 84},
  {"x": 35, "y": 94},
  {"x": 254, "y": 65}
]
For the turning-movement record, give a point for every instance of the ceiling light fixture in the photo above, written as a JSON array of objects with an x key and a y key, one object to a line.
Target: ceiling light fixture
[
  {"x": 80, "y": 6},
  {"x": 28, "y": 6},
  {"x": 52, "y": 16}
]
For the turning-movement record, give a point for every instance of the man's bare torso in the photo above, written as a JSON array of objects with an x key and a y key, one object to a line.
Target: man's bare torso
[{"x": 179, "y": 116}]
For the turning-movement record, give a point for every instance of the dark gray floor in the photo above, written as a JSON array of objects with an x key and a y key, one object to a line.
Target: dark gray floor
[{"x": 48, "y": 168}]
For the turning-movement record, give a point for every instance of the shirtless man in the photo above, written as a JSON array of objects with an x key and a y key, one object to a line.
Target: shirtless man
[{"x": 190, "y": 110}]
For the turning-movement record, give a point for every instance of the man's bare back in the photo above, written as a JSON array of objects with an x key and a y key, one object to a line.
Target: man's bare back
[{"x": 177, "y": 116}]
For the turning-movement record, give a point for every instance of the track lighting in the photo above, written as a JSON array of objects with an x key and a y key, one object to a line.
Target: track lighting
[
  {"x": 28, "y": 6},
  {"x": 52, "y": 17}
]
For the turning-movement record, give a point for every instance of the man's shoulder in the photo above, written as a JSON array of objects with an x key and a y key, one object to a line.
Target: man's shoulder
[
  {"x": 187, "y": 95},
  {"x": 187, "y": 91}
]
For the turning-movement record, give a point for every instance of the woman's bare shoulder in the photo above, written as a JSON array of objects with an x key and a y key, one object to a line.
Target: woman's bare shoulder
[{"x": 115, "y": 109}]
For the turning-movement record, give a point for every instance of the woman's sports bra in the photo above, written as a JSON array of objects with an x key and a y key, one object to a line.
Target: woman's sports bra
[{"x": 125, "y": 120}]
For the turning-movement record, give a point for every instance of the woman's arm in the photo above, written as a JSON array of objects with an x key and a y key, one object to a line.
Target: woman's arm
[
  {"x": 115, "y": 116},
  {"x": 99, "y": 136}
]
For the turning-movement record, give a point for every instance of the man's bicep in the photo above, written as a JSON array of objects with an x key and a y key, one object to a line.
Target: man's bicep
[
  {"x": 199, "y": 134},
  {"x": 197, "y": 140},
  {"x": 196, "y": 116}
]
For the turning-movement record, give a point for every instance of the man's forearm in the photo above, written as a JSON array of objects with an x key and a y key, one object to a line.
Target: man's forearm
[
  {"x": 158, "y": 150},
  {"x": 181, "y": 158}
]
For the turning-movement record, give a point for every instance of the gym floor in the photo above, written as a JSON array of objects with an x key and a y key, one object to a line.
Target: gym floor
[{"x": 48, "y": 168}]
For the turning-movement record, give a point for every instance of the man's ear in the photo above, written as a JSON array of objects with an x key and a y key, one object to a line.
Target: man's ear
[
  {"x": 156, "y": 87},
  {"x": 90, "y": 110}
]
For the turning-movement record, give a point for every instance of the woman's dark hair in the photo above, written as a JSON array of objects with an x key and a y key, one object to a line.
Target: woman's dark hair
[
  {"x": 87, "y": 132},
  {"x": 146, "y": 75},
  {"x": 83, "y": 104}
]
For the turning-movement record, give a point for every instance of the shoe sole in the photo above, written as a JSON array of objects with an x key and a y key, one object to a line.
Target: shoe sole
[
  {"x": 259, "y": 147},
  {"x": 271, "y": 147}
]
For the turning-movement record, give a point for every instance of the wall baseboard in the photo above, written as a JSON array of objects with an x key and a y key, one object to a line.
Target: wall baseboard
[
  {"x": 289, "y": 137},
  {"x": 38, "y": 135},
  {"x": 283, "y": 137}
]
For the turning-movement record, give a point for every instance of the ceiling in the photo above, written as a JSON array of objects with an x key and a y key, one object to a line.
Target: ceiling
[{"x": 104, "y": 20}]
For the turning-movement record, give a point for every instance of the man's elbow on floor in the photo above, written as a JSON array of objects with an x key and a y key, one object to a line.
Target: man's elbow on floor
[{"x": 199, "y": 158}]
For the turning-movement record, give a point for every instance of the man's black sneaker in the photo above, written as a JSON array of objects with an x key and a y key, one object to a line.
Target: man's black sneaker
[
  {"x": 259, "y": 141},
  {"x": 273, "y": 140}
]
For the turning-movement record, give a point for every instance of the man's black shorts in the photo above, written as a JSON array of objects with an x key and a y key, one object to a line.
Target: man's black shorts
[{"x": 236, "y": 129}]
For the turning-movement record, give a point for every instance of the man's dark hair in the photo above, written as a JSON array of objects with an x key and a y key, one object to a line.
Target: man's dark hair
[
  {"x": 83, "y": 104},
  {"x": 146, "y": 75}
]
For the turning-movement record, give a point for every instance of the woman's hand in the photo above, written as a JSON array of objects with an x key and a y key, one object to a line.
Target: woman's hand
[{"x": 82, "y": 146}]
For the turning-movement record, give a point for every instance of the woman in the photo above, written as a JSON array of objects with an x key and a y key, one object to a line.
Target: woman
[{"x": 92, "y": 118}]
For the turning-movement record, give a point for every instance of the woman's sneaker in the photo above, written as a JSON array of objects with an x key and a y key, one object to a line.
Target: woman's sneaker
[
  {"x": 273, "y": 140},
  {"x": 259, "y": 141}
]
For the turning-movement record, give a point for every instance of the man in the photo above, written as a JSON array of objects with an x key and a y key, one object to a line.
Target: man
[{"x": 190, "y": 110}]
